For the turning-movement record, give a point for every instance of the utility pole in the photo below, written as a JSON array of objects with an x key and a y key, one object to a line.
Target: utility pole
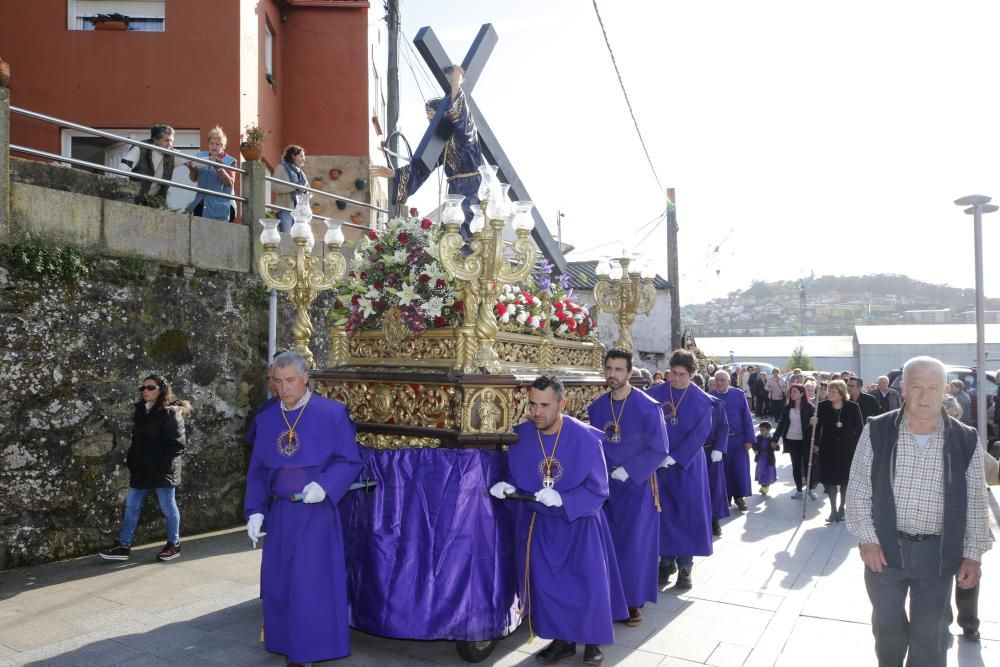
[
  {"x": 673, "y": 274},
  {"x": 559, "y": 217},
  {"x": 392, "y": 72}
]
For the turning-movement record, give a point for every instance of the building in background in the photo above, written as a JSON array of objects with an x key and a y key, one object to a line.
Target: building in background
[{"x": 308, "y": 71}]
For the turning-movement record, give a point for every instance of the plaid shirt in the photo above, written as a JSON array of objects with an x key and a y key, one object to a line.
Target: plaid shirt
[{"x": 918, "y": 488}]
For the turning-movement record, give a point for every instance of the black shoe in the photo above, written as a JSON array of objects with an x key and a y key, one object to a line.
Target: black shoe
[
  {"x": 716, "y": 528},
  {"x": 840, "y": 514},
  {"x": 592, "y": 655},
  {"x": 634, "y": 620},
  {"x": 833, "y": 517},
  {"x": 683, "y": 580},
  {"x": 556, "y": 651},
  {"x": 971, "y": 635},
  {"x": 118, "y": 552},
  {"x": 741, "y": 504},
  {"x": 667, "y": 570},
  {"x": 170, "y": 551}
]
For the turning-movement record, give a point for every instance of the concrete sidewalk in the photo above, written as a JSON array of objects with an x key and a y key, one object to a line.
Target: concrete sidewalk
[{"x": 778, "y": 591}]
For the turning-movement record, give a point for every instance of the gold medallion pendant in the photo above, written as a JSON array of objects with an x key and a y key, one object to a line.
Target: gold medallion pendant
[{"x": 288, "y": 443}]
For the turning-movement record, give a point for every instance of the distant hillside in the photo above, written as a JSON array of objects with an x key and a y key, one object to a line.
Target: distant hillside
[{"x": 833, "y": 306}]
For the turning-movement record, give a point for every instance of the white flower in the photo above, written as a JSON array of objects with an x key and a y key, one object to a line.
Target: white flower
[
  {"x": 433, "y": 306},
  {"x": 563, "y": 329},
  {"x": 522, "y": 317},
  {"x": 372, "y": 293},
  {"x": 407, "y": 294},
  {"x": 433, "y": 270},
  {"x": 367, "y": 307},
  {"x": 535, "y": 322},
  {"x": 400, "y": 256},
  {"x": 505, "y": 318}
]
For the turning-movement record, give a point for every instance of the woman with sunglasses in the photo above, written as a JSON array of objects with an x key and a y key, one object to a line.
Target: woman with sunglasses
[{"x": 154, "y": 464}]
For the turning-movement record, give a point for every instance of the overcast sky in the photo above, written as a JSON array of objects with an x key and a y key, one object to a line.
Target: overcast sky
[{"x": 800, "y": 136}]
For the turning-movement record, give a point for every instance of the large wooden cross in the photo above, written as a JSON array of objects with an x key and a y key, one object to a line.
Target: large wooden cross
[{"x": 432, "y": 144}]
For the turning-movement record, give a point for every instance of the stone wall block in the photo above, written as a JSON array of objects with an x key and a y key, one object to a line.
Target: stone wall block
[
  {"x": 62, "y": 218},
  {"x": 220, "y": 246},
  {"x": 138, "y": 231}
]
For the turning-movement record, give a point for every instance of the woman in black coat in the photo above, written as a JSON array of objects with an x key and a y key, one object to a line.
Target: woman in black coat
[
  {"x": 793, "y": 426},
  {"x": 154, "y": 464},
  {"x": 838, "y": 424}
]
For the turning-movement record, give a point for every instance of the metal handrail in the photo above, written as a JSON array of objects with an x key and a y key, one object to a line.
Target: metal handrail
[
  {"x": 122, "y": 172},
  {"x": 325, "y": 193},
  {"x": 109, "y": 135},
  {"x": 275, "y": 207}
]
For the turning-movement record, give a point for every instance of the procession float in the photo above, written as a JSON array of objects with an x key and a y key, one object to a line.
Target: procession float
[{"x": 436, "y": 341}]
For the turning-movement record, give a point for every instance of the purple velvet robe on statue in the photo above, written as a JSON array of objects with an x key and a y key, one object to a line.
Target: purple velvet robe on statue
[
  {"x": 741, "y": 432},
  {"x": 631, "y": 508},
  {"x": 717, "y": 471},
  {"x": 302, "y": 577},
  {"x": 686, "y": 517},
  {"x": 575, "y": 590}
]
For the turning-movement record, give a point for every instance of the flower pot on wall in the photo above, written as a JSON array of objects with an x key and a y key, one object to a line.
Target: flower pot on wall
[
  {"x": 4, "y": 73},
  {"x": 251, "y": 151},
  {"x": 317, "y": 183},
  {"x": 111, "y": 25},
  {"x": 316, "y": 207},
  {"x": 357, "y": 218},
  {"x": 335, "y": 174}
]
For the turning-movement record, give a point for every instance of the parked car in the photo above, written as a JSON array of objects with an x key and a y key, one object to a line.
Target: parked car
[
  {"x": 760, "y": 365},
  {"x": 968, "y": 376}
]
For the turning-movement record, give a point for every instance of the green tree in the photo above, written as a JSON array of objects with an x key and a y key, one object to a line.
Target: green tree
[{"x": 800, "y": 360}]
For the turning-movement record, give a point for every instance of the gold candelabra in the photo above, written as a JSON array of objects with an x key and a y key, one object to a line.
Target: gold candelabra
[
  {"x": 624, "y": 297},
  {"x": 482, "y": 266},
  {"x": 303, "y": 275}
]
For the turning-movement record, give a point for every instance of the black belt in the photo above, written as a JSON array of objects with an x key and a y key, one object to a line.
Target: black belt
[{"x": 914, "y": 538}]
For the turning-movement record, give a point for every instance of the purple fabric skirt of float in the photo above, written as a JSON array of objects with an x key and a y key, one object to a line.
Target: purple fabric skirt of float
[{"x": 430, "y": 554}]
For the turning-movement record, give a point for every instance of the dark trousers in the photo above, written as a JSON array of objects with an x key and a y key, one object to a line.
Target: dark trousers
[
  {"x": 800, "y": 462},
  {"x": 925, "y": 632},
  {"x": 967, "y": 603},
  {"x": 777, "y": 405}
]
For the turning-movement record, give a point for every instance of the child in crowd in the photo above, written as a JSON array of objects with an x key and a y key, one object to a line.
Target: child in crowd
[{"x": 765, "y": 472}]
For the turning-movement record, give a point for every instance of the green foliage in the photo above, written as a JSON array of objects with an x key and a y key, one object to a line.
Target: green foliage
[
  {"x": 154, "y": 201},
  {"x": 800, "y": 360},
  {"x": 257, "y": 296},
  {"x": 30, "y": 258},
  {"x": 130, "y": 269}
]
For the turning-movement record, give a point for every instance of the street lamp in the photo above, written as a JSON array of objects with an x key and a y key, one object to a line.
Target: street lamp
[
  {"x": 302, "y": 275},
  {"x": 979, "y": 204}
]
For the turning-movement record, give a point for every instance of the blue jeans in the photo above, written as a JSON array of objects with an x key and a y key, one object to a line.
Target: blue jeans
[
  {"x": 165, "y": 496},
  {"x": 683, "y": 562}
]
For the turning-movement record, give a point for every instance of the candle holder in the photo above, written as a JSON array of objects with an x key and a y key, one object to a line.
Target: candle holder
[{"x": 623, "y": 294}]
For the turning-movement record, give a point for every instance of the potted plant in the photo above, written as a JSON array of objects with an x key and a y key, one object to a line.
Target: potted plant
[
  {"x": 252, "y": 146},
  {"x": 4, "y": 73},
  {"x": 335, "y": 174},
  {"x": 317, "y": 183},
  {"x": 357, "y": 218},
  {"x": 110, "y": 21}
]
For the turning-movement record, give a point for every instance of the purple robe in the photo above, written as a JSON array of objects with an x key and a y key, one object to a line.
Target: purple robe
[
  {"x": 302, "y": 574},
  {"x": 717, "y": 471},
  {"x": 633, "y": 515},
  {"x": 741, "y": 432},
  {"x": 686, "y": 517},
  {"x": 766, "y": 472},
  {"x": 575, "y": 591}
]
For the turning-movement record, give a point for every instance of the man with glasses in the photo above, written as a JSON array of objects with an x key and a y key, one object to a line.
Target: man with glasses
[{"x": 150, "y": 162}]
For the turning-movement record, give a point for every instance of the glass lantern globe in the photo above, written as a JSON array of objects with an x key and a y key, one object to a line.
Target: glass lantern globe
[
  {"x": 270, "y": 235},
  {"x": 522, "y": 215}
]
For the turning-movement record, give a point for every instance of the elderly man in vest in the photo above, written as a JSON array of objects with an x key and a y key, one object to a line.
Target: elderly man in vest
[
  {"x": 152, "y": 163},
  {"x": 917, "y": 504}
]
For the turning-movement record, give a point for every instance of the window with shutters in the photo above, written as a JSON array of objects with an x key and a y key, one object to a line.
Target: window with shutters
[{"x": 144, "y": 15}]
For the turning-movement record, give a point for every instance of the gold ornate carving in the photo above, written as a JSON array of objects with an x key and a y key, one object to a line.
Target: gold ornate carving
[
  {"x": 487, "y": 410},
  {"x": 405, "y": 404},
  {"x": 394, "y": 328},
  {"x": 340, "y": 349},
  {"x": 383, "y": 441}
]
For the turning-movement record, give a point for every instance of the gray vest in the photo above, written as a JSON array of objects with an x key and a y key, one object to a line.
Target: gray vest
[
  {"x": 960, "y": 443},
  {"x": 145, "y": 166}
]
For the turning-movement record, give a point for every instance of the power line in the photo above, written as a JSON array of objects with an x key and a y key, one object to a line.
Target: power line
[
  {"x": 416, "y": 80},
  {"x": 627, "y": 101}
]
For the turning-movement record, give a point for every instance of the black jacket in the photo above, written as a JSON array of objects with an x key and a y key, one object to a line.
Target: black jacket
[
  {"x": 805, "y": 414},
  {"x": 154, "y": 459}
]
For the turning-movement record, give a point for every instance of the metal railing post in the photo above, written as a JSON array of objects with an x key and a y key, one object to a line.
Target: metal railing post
[{"x": 4, "y": 163}]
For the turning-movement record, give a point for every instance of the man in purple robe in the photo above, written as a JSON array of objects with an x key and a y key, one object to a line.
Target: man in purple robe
[
  {"x": 715, "y": 452},
  {"x": 686, "y": 517},
  {"x": 304, "y": 459},
  {"x": 565, "y": 556},
  {"x": 635, "y": 444},
  {"x": 741, "y": 440}
]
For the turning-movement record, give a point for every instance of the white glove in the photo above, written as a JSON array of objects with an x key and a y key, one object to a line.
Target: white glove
[
  {"x": 254, "y": 524},
  {"x": 501, "y": 489},
  {"x": 620, "y": 474},
  {"x": 667, "y": 462},
  {"x": 716, "y": 456},
  {"x": 314, "y": 493},
  {"x": 548, "y": 497}
]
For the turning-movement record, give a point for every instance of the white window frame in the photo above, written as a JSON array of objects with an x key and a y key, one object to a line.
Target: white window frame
[
  {"x": 138, "y": 9},
  {"x": 268, "y": 53}
]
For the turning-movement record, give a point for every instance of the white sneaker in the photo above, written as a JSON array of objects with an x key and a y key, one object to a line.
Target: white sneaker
[
  {"x": 797, "y": 495},
  {"x": 812, "y": 495}
]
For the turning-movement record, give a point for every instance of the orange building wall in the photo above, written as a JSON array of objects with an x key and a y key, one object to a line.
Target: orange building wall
[{"x": 186, "y": 76}]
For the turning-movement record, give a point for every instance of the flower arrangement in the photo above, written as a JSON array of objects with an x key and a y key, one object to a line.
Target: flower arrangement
[
  {"x": 522, "y": 308},
  {"x": 253, "y": 134},
  {"x": 397, "y": 267}
]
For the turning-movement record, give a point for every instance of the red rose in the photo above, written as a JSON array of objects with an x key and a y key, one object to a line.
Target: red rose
[
  {"x": 403, "y": 237},
  {"x": 583, "y": 330},
  {"x": 541, "y": 325},
  {"x": 364, "y": 276},
  {"x": 350, "y": 273},
  {"x": 354, "y": 299},
  {"x": 338, "y": 304},
  {"x": 413, "y": 212},
  {"x": 500, "y": 310},
  {"x": 378, "y": 248},
  {"x": 440, "y": 284},
  {"x": 378, "y": 285},
  {"x": 424, "y": 278},
  {"x": 439, "y": 321},
  {"x": 379, "y": 306},
  {"x": 372, "y": 235},
  {"x": 458, "y": 306},
  {"x": 426, "y": 223},
  {"x": 571, "y": 324}
]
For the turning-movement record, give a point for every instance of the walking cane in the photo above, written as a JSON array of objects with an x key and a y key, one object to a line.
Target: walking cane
[{"x": 809, "y": 466}]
